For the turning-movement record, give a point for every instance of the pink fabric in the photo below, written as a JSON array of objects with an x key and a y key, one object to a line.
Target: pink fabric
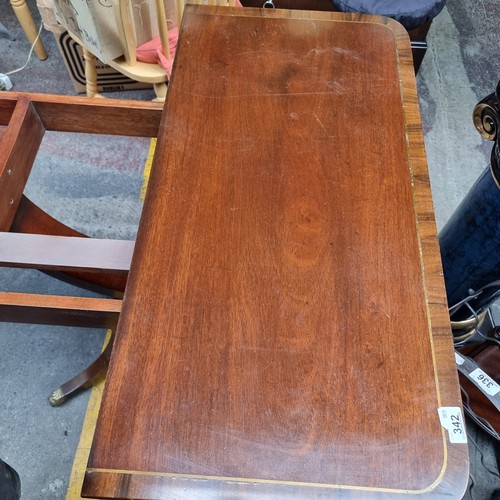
[{"x": 151, "y": 52}]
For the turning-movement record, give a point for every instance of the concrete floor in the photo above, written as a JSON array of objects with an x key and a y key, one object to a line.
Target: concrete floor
[{"x": 96, "y": 189}]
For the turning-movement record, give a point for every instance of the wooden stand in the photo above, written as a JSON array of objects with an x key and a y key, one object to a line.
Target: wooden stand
[
  {"x": 285, "y": 306},
  {"x": 47, "y": 244}
]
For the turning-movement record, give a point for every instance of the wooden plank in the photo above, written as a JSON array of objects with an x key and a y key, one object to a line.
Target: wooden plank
[
  {"x": 65, "y": 253},
  {"x": 59, "y": 310},
  {"x": 18, "y": 150},
  {"x": 7, "y": 105},
  {"x": 285, "y": 304},
  {"x": 87, "y": 115},
  {"x": 32, "y": 219}
]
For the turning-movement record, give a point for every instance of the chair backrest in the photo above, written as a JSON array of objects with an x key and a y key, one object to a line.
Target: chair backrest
[
  {"x": 110, "y": 36},
  {"x": 168, "y": 14}
]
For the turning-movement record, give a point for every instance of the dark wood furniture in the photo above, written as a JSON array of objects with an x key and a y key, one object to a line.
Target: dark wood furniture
[
  {"x": 284, "y": 331},
  {"x": 417, "y": 35},
  {"x": 47, "y": 244}
]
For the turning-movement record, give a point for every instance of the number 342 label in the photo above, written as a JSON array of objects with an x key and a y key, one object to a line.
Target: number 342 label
[{"x": 451, "y": 419}]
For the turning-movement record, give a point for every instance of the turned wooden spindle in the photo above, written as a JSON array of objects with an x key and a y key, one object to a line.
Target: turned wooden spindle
[
  {"x": 25, "y": 19},
  {"x": 90, "y": 74}
]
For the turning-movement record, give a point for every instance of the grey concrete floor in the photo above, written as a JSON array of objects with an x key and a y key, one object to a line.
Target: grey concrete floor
[{"x": 95, "y": 186}]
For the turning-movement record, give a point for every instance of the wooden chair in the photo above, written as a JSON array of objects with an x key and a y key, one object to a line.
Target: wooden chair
[
  {"x": 31, "y": 238},
  {"x": 168, "y": 14}
]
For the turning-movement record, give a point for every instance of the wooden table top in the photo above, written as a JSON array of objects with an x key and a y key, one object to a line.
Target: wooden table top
[{"x": 284, "y": 331}]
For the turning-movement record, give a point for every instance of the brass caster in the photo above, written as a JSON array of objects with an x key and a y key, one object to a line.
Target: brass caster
[{"x": 57, "y": 398}]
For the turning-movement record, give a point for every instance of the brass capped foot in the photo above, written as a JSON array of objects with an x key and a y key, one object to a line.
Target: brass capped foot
[{"x": 57, "y": 398}]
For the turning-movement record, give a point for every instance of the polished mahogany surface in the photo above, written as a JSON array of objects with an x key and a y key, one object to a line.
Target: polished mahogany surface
[{"x": 284, "y": 331}]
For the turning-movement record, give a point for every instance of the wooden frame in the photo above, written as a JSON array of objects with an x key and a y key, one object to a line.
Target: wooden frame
[{"x": 31, "y": 238}]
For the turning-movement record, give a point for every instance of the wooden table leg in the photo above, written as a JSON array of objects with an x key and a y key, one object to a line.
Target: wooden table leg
[
  {"x": 26, "y": 21},
  {"x": 83, "y": 380}
]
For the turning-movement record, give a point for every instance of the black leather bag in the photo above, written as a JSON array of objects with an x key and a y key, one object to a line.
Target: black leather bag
[{"x": 10, "y": 484}]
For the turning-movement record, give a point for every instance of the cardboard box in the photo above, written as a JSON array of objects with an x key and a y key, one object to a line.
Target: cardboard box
[
  {"x": 108, "y": 79},
  {"x": 93, "y": 22}
]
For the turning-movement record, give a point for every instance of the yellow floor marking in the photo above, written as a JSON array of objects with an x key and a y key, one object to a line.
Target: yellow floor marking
[
  {"x": 147, "y": 168},
  {"x": 83, "y": 450},
  {"x": 89, "y": 423}
]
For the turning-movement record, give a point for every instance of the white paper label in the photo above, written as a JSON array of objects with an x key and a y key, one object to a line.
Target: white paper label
[
  {"x": 451, "y": 419},
  {"x": 459, "y": 359},
  {"x": 487, "y": 384}
]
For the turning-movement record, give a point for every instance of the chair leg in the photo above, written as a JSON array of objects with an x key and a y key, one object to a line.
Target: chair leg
[
  {"x": 25, "y": 19},
  {"x": 90, "y": 74},
  {"x": 83, "y": 380},
  {"x": 160, "y": 91}
]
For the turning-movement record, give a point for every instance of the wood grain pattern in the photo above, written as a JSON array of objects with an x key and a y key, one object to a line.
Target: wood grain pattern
[
  {"x": 93, "y": 116},
  {"x": 417, "y": 36},
  {"x": 65, "y": 253},
  {"x": 325, "y": 5},
  {"x": 99, "y": 265},
  {"x": 285, "y": 305},
  {"x": 18, "y": 150},
  {"x": 32, "y": 219},
  {"x": 59, "y": 310},
  {"x": 23, "y": 119}
]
